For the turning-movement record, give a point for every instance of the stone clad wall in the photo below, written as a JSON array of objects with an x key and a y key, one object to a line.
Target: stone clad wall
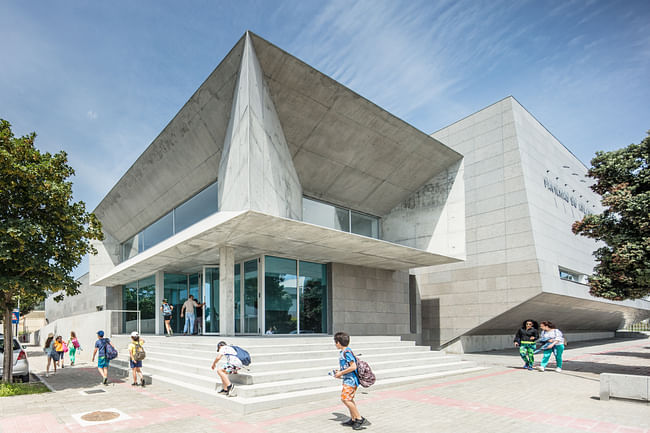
[
  {"x": 369, "y": 301},
  {"x": 501, "y": 269}
]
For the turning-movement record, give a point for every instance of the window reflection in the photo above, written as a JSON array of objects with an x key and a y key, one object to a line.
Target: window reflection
[
  {"x": 200, "y": 206},
  {"x": 195, "y": 209},
  {"x": 335, "y": 217},
  {"x": 280, "y": 295}
]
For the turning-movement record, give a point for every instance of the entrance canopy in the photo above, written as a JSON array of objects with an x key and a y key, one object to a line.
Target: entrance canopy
[{"x": 252, "y": 233}]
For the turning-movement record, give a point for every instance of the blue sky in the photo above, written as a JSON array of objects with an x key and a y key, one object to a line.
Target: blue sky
[{"x": 101, "y": 79}]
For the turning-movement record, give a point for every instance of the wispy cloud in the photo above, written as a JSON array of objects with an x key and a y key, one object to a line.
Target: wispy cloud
[{"x": 91, "y": 115}]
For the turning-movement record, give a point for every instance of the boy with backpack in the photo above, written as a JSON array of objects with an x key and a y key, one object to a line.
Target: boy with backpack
[
  {"x": 136, "y": 355},
  {"x": 234, "y": 362},
  {"x": 348, "y": 372},
  {"x": 106, "y": 352}
]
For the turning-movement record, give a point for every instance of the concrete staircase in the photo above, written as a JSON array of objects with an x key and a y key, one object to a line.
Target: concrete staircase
[{"x": 285, "y": 370}]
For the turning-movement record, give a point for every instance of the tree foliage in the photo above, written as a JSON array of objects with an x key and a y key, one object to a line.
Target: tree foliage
[
  {"x": 623, "y": 263},
  {"x": 44, "y": 234}
]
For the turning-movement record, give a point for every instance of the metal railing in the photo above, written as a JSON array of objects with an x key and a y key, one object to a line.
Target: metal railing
[{"x": 125, "y": 321}]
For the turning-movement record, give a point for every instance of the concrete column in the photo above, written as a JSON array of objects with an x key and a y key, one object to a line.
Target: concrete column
[
  {"x": 160, "y": 294},
  {"x": 227, "y": 291}
]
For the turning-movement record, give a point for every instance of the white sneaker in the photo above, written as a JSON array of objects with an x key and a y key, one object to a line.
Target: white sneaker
[
  {"x": 47, "y": 374},
  {"x": 559, "y": 370},
  {"x": 540, "y": 368}
]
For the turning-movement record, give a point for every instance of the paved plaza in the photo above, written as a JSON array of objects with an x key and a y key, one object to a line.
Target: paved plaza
[{"x": 501, "y": 398}]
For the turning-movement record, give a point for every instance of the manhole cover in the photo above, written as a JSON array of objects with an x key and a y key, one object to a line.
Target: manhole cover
[
  {"x": 99, "y": 416},
  {"x": 102, "y": 416},
  {"x": 94, "y": 391}
]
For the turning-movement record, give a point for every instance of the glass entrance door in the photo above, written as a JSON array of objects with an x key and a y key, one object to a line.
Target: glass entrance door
[
  {"x": 250, "y": 298},
  {"x": 211, "y": 299}
]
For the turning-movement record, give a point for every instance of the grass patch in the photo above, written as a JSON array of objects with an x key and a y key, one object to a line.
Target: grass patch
[{"x": 11, "y": 389}]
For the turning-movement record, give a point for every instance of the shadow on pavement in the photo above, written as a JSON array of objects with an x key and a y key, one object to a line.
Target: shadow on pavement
[
  {"x": 602, "y": 367},
  {"x": 631, "y": 354},
  {"x": 79, "y": 377}
]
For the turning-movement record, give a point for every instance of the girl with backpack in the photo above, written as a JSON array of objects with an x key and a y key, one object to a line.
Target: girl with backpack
[
  {"x": 167, "y": 309},
  {"x": 59, "y": 347},
  {"x": 73, "y": 345},
  {"x": 136, "y": 355}
]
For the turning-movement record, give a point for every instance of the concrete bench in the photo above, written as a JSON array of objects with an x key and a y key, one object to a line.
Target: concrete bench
[{"x": 624, "y": 386}]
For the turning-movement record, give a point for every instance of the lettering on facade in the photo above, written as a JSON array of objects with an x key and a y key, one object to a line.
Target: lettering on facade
[{"x": 564, "y": 195}]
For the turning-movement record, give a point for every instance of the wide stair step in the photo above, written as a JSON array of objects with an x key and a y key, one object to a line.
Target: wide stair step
[{"x": 285, "y": 370}]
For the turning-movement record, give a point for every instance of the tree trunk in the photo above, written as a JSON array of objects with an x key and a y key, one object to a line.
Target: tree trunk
[{"x": 7, "y": 367}]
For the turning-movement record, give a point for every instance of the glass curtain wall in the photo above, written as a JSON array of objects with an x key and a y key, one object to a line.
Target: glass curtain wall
[
  {"x": 339, "y": 218},
  {"x": 295, "y": 296},
  {"x": 176, "y": 293},
  {"x": 130, "y": 302},
  {"x": 195, "y": 290},
  {"x": 211, "y": 284},
  {"x": 238, "y": 298},
  {"x": 313, "y": 298},
  {"x": 140, "y": 295},
  {"x": 250, "y": 298},
  {"x": 280, "y": 295},
  {"x": 201, "y": 205}
]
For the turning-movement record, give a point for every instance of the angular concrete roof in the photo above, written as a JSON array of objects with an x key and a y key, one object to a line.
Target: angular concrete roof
[
  {"x": 345, "y": 149},
  {"x": 252, "y": 234}
]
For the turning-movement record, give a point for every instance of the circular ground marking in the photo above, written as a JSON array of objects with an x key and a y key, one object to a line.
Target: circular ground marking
[{"x": 100, "y": 416}]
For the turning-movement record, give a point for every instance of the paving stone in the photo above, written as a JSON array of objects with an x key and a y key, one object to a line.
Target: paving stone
[{"x": 502, "y": 398}]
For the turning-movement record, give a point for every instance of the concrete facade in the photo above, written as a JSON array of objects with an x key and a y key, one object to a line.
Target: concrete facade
[
  {"x": 89, "y": 300},
  {"x": 272, "y": 130}
]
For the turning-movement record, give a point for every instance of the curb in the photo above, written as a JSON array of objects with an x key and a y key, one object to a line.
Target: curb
[{"x": 43, "y": 381}]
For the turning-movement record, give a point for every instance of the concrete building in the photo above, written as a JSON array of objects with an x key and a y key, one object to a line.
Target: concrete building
[
  {"x": 265, "y": 197},
  {"x": 291, "y": 205},
  {"x": 523, "y": 191}
]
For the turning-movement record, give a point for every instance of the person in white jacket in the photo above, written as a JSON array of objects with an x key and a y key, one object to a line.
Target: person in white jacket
[{"x": 556, "y": 339}]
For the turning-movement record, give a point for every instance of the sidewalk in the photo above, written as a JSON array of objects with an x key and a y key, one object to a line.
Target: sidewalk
[{"x": 502, "y": 398}]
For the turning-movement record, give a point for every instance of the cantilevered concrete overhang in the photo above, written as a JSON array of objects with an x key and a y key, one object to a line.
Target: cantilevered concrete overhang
[
  {"x": 345, "y": 149},
  {"x": 252, "y": 233}
]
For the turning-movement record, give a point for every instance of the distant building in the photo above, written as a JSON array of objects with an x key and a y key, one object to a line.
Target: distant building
[{"x": 291, "y": 205}]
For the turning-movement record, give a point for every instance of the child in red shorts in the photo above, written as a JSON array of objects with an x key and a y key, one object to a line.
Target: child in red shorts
[{"x": 347, "y": 372}]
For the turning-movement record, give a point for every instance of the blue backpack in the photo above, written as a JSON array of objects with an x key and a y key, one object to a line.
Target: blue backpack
[{"x": 243, "y": 355}]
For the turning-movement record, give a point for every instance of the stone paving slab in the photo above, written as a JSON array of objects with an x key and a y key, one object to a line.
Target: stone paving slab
[{"x": 503, "y": 398}]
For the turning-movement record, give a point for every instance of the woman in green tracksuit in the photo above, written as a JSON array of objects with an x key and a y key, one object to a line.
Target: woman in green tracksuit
[{"x": 525, "y": 339}]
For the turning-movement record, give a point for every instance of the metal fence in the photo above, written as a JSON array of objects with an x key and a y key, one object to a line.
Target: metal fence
[
  {"x": 125, "y": 321},
  {"x": 641, "y": 326}
]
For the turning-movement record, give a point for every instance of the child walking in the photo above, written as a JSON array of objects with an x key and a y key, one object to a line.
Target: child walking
[
  {"x": 347, "y": 372},
  {"x": 136, "y": 365},
  {"x": 52, "y": 356},
  {"x": 73, "y": 345},
  {"x": 58, "y": 346}
]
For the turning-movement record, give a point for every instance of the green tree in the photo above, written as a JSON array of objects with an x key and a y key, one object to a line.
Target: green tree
[
  {"x": 623, "y": 263},
  {"x": 44, "y": 234}
]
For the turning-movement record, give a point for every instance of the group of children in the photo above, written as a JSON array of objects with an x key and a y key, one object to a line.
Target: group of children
[
  {"x": 551, "y": 341},
  {"x": 347, "y": 372},
  {"x": 231, "y": 364},
  {"x": 55, "y": 349}
]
